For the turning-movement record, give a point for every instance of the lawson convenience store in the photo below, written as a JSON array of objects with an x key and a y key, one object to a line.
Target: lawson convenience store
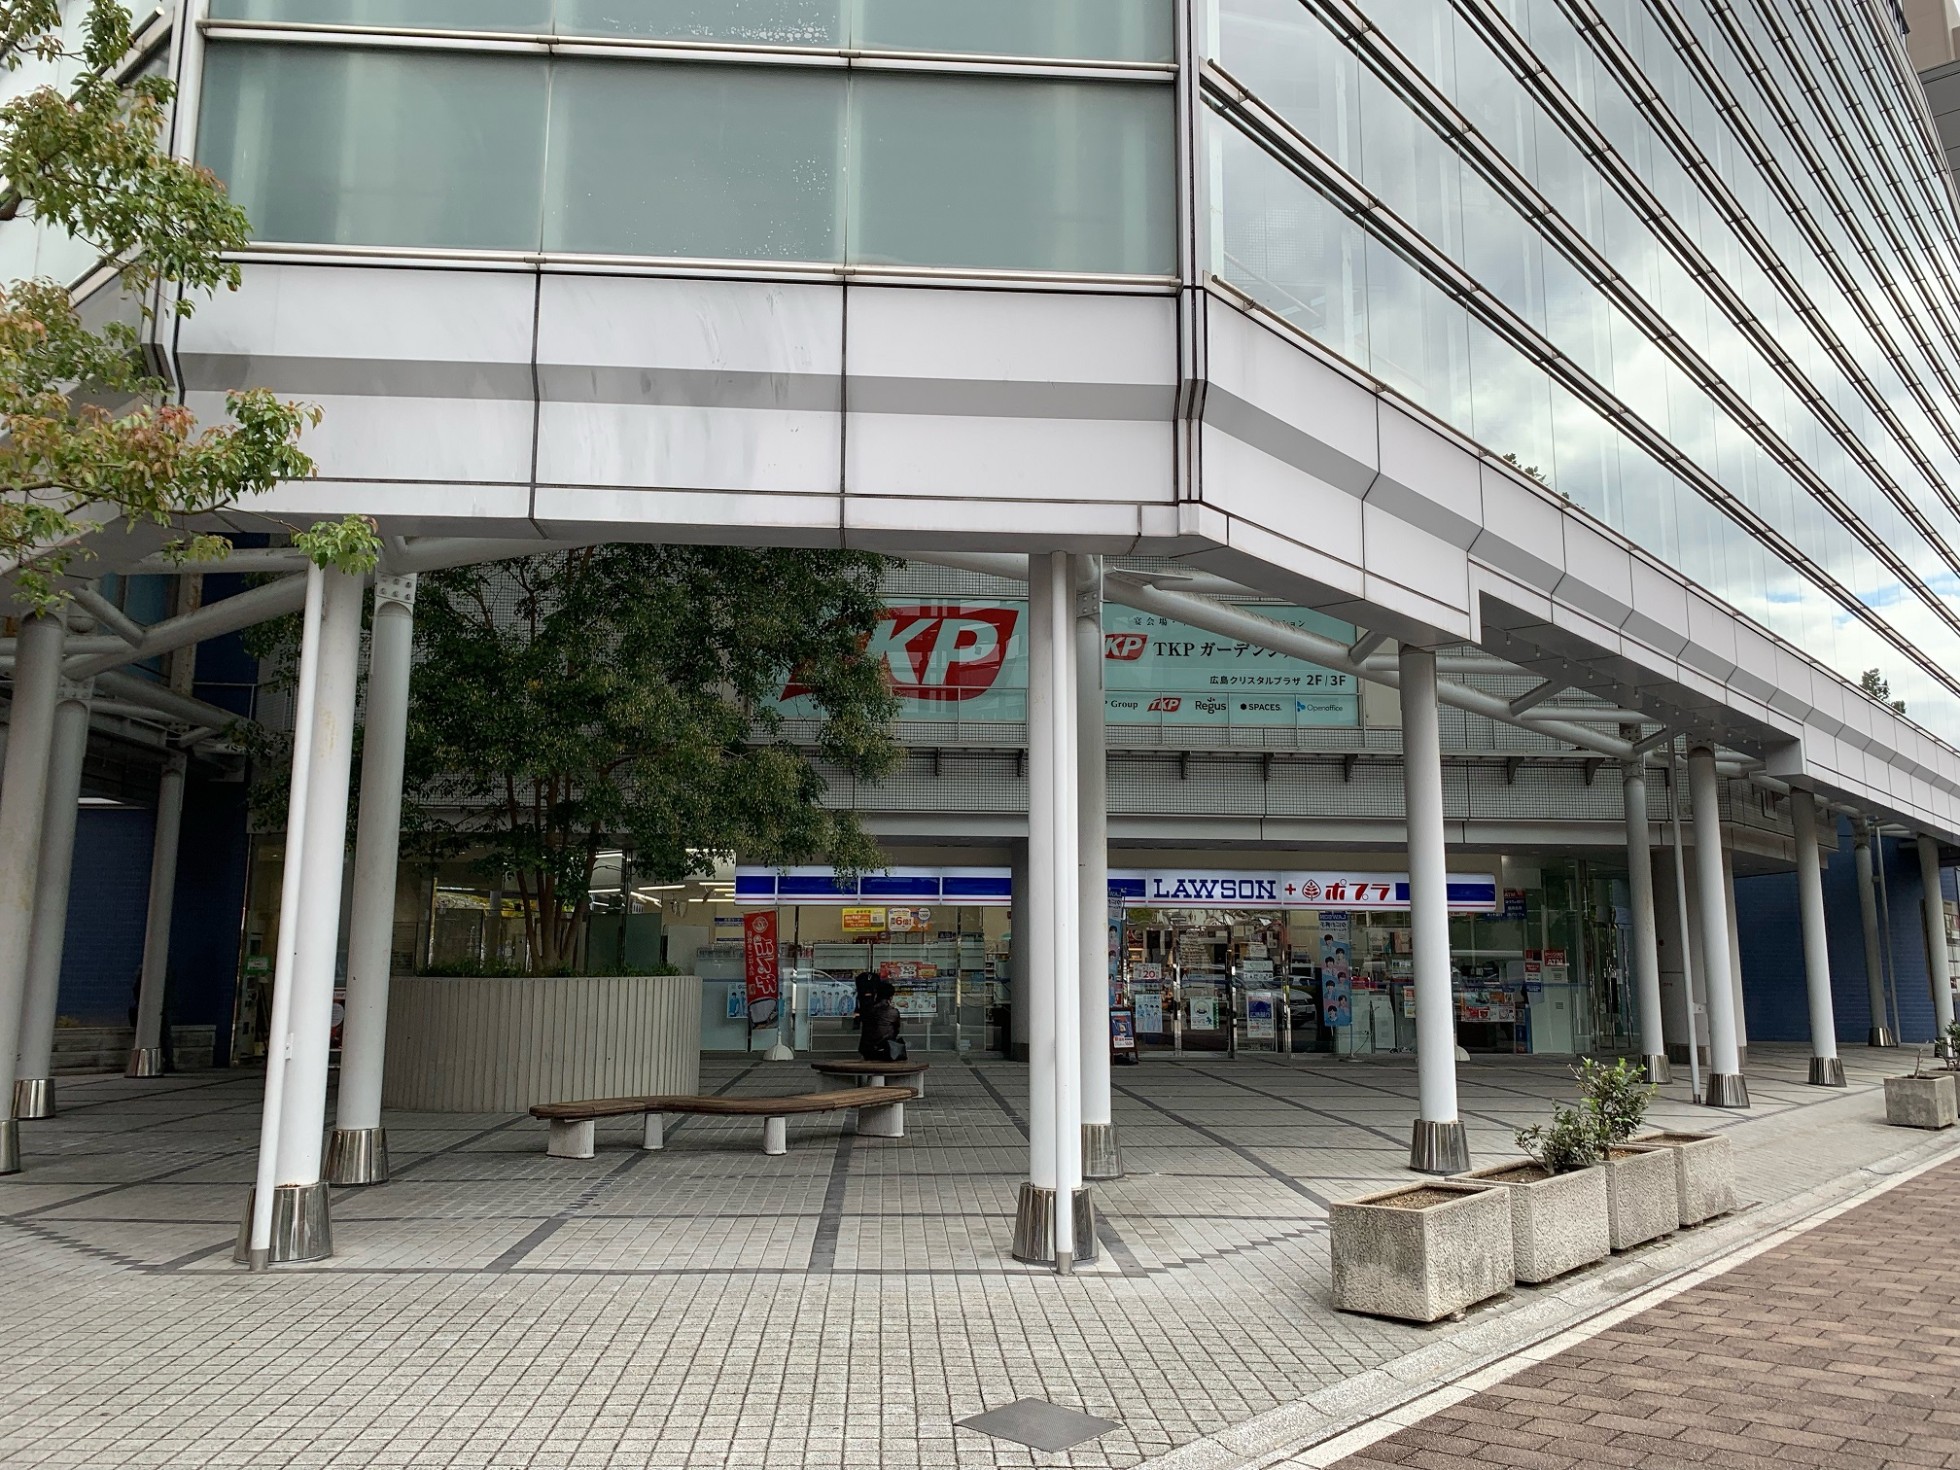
[{"x": 1289, "y": 960}]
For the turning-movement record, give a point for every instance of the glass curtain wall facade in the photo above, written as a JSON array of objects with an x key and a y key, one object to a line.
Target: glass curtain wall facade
[{"x": 1689, "y": 264}]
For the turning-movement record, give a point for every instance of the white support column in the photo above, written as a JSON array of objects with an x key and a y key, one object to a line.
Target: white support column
[
  {"x": 1055, "y": 1221},
  {"x": 1826, "y": 1070},
  {"x": 23, "y": 806},
  {"x": 1938, "y": 968},
  {"x": 67, "y": 751},
  {"x": 358, "y": 1151},
  {"x": 1735, "y": 954},
  {"x": 1438, "y": 1144},
  {"x": 287, "y": 1212},
  {"x": 1646, "y": 943},
  {"x": 1725, "y": 1087},
  {"x": 1102, "y": 1158},
  {"x": 1881, "y": 1033},
  {"x": 146, "y": 1054},
  {"x": 1685, "y": 925}
]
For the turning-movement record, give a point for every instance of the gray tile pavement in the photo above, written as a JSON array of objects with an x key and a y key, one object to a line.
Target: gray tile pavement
[{"x": 841, "y": 1306}]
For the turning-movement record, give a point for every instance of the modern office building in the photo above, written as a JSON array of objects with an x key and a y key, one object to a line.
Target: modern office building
[{"x": 1429, "y": 445}]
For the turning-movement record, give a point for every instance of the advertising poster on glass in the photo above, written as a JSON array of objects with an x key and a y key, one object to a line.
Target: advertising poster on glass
[{"x": 760, "y": 966}]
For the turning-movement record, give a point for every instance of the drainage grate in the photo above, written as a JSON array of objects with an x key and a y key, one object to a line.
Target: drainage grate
[{"x": 1039, "y": 1425}]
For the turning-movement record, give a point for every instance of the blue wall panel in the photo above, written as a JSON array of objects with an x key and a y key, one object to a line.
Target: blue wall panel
[
  {"x": 1772, "y": 947},
  {"x": 107, "y": 902},
  {"x": 210, "y": 906},
  {"x": 1772, "y": 958}
]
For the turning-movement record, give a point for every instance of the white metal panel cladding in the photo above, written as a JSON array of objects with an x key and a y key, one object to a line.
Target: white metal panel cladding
[{"x": 504, "y": 1045}]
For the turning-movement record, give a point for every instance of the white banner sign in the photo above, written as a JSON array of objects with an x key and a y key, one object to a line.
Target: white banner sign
[{"x": 1469, "y": 893}]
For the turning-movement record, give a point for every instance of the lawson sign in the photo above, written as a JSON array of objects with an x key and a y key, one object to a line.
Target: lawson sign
[
  {"x": 1170, "y": 888},
  {"x": 1474, "y": 893}
]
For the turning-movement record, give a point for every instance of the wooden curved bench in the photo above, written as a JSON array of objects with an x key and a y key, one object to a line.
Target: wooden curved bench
[
  {"x": 881, "y": 1114},
  {"x": 875, "y": 1074}
]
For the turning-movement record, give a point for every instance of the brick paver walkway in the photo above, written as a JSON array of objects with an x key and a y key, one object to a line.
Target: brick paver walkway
[{"x": 1838, "y": 1349}]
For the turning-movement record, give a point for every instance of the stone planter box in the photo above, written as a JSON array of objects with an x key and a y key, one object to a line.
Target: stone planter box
[
  {"x": 1558, "y": 1221},
  {"x": 1642, "y": 1200},
  {"x": 1922, "y": 1102},
  {"x": 1423, "y": 1251},
  {"x": 1704, "y": 1173}
]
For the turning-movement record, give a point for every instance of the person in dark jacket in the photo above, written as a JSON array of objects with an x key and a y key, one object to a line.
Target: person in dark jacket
[{"x": 878, "y": 1025}]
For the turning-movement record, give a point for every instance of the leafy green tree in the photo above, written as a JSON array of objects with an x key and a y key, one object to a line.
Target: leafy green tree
[
  {"x": 625, "y": 695},
  {"x": 90, "y": 434}
]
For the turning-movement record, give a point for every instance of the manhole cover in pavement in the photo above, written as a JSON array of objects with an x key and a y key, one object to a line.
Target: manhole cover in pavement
[{"x": 1039, "y": 1425}]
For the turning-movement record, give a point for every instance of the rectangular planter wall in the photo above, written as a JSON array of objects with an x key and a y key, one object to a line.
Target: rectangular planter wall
[
  {"x": 1922, "y": 1102},
  {"x": 1445, "y": 1247},
  {"x": 1558, "y": 1221},
  {"x": 1642, "y": 1200},
  {"x": 1704, "y": 1173}
]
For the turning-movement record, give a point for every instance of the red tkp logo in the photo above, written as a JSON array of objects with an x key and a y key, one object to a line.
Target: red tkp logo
[
  {"x": 938, "y": 653},
  {"x": 1166, "y": 704},
  {"x": 1125, "y": 648}
]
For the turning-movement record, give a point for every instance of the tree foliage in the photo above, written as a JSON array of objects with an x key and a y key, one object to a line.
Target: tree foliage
[
  {"x": 90, "y": 436},
  {"x": 624, "y": 696},
  {"x": 1875, "y": 685}
]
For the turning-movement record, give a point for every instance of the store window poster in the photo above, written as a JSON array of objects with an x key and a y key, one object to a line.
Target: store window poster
[
  {"x": 1337, "y": 1001},
  {"x": 1336, "y": 948},
  {"x": 1259, "y": 1020}
]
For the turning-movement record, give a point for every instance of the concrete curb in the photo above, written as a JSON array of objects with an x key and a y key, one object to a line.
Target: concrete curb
[{"x": 1343, "y": 1418}]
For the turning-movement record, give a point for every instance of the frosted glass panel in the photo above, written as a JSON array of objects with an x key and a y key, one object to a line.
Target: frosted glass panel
[
  {"x": 716, "y": 162},
  {"x": 1013, "y": 175},
  {"x": 744, "y": 22},
  {"x": 1113, "y": 30},
  {"x": 449, "y": 15},
  {"x": 325, "y": 146},
  {"x": 681, "y": 159}
]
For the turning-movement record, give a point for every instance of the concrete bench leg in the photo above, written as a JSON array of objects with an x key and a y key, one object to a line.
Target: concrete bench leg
[
  {"x": 775, "y": 1136},
  {"x": 918, "y": 1085},
  {"x": 885, "y": 1122},
  {"x": 876, "y": 1079},
  {"x": 571, "y": 1140},
  {"x": 653, "y": 1138}
]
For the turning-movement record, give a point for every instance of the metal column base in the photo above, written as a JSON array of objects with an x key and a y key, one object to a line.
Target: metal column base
[
  {"x": 9, "y": 1146},
  {"x": 1660, "y": 1071},
  {"x": 34, "y": 1097},
  {"x": 1102, "y": 1158},
  {"x": 144, "y": 1061},
  {"x": 1881, "y": 1036},
  {"x": 1034, "y": 1228},
  {"x": 1826, "y": 1072},
  {"x": 1726, "y": 1090},
  {"x": 357, "y": 1156},
  {"x": 300, "y": 1228},
  {"x": 1439, "y": 1148}
]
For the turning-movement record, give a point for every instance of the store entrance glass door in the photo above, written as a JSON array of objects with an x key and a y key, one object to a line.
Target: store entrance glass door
[{"x": 1207, "y": 1007}]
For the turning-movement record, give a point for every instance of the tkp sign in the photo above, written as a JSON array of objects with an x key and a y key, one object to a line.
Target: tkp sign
[
  {"x": 944, "y": 654},
  {"x": 939, "y": 653}
]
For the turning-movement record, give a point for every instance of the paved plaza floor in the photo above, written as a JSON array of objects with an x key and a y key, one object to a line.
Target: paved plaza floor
[{"x": 842, "y": 1306}]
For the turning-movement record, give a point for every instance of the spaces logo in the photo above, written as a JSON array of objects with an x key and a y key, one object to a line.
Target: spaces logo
[{"x": 938, "y": 653}]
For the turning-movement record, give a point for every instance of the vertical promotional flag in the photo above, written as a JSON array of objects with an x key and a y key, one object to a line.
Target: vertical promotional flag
[{"x": 760, "y": 965}]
